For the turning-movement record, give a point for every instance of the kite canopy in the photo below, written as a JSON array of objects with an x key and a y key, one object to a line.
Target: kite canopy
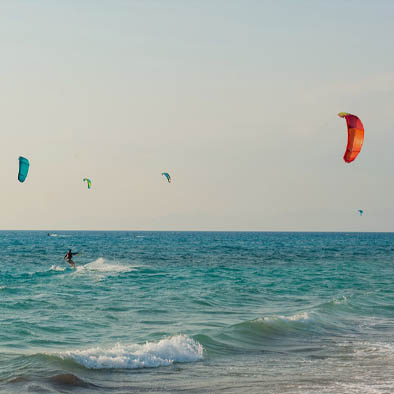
[
  {"x": 88, "y": 181},
  {"x": 360, "y": 211},
  {"x": 355, "y": 136},
  {"x": 23, "y": 168},
  {"x": 167, "y": 175}
]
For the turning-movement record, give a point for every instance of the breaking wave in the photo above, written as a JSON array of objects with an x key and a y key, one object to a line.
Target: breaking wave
[{"x": 176, "y": 349}]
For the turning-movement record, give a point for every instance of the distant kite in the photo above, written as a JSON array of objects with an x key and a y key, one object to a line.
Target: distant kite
[
  {"x": 355, "y": 136},
  {"x": 23, "y": 169},
  {"x": 167, "y": 175},
  {"x": 88, "y": 181},
  {"x": 360, "y": 211}
]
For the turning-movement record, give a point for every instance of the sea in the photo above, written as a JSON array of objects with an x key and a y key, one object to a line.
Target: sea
[{"x": 196, "y": 312}]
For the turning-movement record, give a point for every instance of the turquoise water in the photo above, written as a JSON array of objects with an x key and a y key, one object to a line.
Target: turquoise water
[{"x": 197, "y": 312}]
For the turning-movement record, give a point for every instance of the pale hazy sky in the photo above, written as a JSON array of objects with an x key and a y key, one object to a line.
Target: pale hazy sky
[{"x": 237, "y": 100}]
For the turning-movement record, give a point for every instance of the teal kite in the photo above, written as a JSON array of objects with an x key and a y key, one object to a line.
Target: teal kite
[
  {"x": 23, "y": 168},
  {"x": 167, "y": 175},
  {"x": 360, "y": 211},
  {"x": 88, "y": 181}
]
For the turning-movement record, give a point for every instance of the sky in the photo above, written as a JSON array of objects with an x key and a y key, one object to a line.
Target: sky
[{"x": 237, "y": 100}]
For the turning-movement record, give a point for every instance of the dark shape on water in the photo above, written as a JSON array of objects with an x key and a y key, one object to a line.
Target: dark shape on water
[
  {"x": 68, "y": 379},
  {"x": 18, "y": 379}
]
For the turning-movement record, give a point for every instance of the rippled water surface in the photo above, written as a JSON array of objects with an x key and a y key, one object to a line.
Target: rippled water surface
[{"x": 197, "y": 312}]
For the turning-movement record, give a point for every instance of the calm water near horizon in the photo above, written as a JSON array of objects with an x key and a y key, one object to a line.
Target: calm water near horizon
[{"x": 198, "y": 312}]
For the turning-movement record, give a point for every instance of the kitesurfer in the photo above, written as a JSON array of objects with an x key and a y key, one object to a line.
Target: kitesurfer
[{"x": 68, "y": 256}]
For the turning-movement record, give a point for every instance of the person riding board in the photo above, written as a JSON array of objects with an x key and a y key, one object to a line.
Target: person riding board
[{"x": 68, "y": 256}]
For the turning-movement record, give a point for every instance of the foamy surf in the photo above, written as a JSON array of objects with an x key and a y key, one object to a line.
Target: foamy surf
[
  {"x": 301, "y": 317},
  {"x": 373, "y": 350},
  {"x": 176, "y": 349},
  {"x": 57, "y": 268},
  {"x": 103, "y": 265},
  {"x": 340, "y": 301}
]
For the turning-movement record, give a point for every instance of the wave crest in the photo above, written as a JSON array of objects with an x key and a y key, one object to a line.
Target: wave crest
[
  {"x": 303, "y": 316},
  {"x": 176, "y": 349}
]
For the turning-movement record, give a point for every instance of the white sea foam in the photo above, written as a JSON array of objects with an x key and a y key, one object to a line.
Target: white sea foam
[
  {"x": 176, "y": 349},
  {"x": 376, "y": 349},
  {"x": 341, "y": 300},
  {"x": 56, "y": 268},
  {"x": 297, "y": 317},
  {"x": 103, "y": 265},
  {"x": 358, "y": 388}
]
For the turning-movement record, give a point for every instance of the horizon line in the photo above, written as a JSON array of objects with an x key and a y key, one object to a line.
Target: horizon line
[{"x": 205, "y": 231}]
